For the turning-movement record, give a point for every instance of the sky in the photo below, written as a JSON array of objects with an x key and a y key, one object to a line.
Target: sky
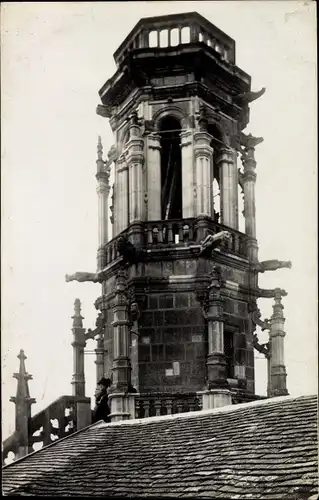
[{"x": 55, "y": 58}]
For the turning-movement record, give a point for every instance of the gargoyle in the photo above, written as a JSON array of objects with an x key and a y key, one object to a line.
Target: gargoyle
[
  {"x": 127, "y": 250},
  {"x": 271, "y": 293},
  {"x": 271, "y": 265},
  {"x": 103, "y": 110},
  {"x": 249, "y": 141},
  {"x": 82, "y": 277},
  {"x": 248, "y": 97},
  {"x": 212, "y": 241}
]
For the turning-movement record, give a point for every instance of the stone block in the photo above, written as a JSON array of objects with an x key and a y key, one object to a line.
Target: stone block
[
  {"x": 166, "y": 301},
  {"x": 144, "y": 353},
  {"x": 181, "y": 300},
  {"x": 157, "y": 352},
  {"x": 174, "y": 352}
]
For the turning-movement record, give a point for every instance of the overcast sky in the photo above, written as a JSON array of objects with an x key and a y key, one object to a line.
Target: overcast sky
[{"x": 55, "y": 57}]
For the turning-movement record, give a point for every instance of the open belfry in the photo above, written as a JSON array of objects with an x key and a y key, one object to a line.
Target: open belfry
[{"x": 177, "y": 312}]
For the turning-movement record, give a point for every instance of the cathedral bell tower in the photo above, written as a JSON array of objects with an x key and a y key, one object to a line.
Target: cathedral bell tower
[{"x": 179, "y": 280}]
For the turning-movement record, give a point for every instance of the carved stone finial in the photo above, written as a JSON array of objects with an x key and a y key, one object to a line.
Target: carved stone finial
[
  {"x": 249, "y": 141},
  {"x": 248, "y": 97},
  {"x": 99, "y": 148},
  {"x": 77, "y": 318},
  {"x": 23, "y": 393}
]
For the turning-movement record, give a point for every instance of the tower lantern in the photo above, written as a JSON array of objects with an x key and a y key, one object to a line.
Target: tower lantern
[{"x": 177, "y": 268}]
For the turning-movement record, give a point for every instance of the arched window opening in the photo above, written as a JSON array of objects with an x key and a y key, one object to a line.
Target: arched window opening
[
  {"x": 216, "y": 143},
  {"x": 152, "y": 40},
  {"x": 241, "y": 216},
  {"x": 209, "y": 43},
  {"x": 216, "y": 198},
  {"x": 186, "y": 34},
  {"x": 200, "y": 37},
  {"x": 171, "y": 169},
  {"x": 174, "y": 37},
  {"x": 164, "y": 38}
]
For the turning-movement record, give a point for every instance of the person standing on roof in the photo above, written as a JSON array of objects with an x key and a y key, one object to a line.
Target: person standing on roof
[{"x": 101, "y": 410}]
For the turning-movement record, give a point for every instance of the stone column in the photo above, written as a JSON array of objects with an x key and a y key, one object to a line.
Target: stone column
[
  {"x": 121, "y": 403},
  {"x": 249, "y": 181},
  {"x": 122, "y": 194},
  {"x": 187, "y": 173},
  {"x": 99, "y": 361},
  {"x": 23, "y": 404},
  {"x": 153, "y": 177},
  {"x": 218, "y": 393},
  {"x": 135, "y": 158},
  {"x": 103, "y": 189},
  {"x": 203, "y": 160},
  {"x": 277, "y": 334},
  {"x": 227, "y": 164},
  {"x": 78, "y": 344}
]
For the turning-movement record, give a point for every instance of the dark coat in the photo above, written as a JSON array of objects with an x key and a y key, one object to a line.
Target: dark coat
[{"x": 101, "y": 410}]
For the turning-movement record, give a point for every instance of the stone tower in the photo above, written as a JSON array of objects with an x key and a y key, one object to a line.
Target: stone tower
[{"x": 179, "y": 280}]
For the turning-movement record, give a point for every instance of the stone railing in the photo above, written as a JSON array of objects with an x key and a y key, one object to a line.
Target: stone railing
[
  {"x": 179, "y": 232},
  {"x": 156, "y": 404},
  {"x": 60, "y": 419},
  {"x": 173, "y": 30}
]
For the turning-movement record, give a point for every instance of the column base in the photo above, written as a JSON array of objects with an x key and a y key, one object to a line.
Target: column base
[
  {"x": 216, "y": 398},
  {"x": 122, "y": 406}
]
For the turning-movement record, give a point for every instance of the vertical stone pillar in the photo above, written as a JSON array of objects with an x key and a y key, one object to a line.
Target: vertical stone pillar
[
  {"x": 99, "y": 361},
  {"x": 120, "y": 399},
  {"x": 227, "y": 164},
  {"x": 78, "y": 344},
  {"x": 23, "y": 404},
  {"x": 218, "y": 393},
  {"x": 203, "y": 160},
  {"x": 122, "y": 193},
  {"x": 103, "y": 189},
  {"x": 135, "y": 158},
  {"x": 249, "y": 181},
  {"x": 153, "y": 177},
  {"x": 187, "y": 173},
  {"x": 277, "y": 334}
]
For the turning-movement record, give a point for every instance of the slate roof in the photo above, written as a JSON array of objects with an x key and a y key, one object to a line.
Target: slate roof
[{"x": 261, "y": 450}]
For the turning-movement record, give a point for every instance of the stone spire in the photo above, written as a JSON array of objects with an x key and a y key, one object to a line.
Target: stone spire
[
  {"x": 78, "y": 344},
  {"x": 23, "y": 404}
]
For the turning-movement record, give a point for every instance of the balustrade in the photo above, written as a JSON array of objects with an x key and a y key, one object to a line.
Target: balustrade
[
  {"x": 177, "y": 30},
  {"x": 157, "y": 404},
  {"x": 179, "y": 232},
  {"x": 54, "y": 422}
]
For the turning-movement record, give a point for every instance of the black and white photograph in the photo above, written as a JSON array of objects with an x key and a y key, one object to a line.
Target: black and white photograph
[{"x": 159, "y": 249}]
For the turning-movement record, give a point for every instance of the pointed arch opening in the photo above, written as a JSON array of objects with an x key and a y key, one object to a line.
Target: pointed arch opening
[
  {"x": 171, "y": 168},
  {"x": 216, "y": 143}
]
